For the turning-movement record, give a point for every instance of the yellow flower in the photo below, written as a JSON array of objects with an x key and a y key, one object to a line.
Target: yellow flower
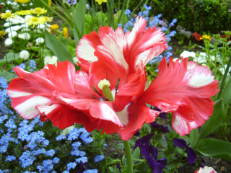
[
  {"x": 38, "y": 20},
  {"x": 65, "y": 32},
  {"x": 6, "y": 15},
  {"x": 54, "y": 27},
  {"x": 39, "y": 11},
  {"x": 2, "y": 33},
  {"x": 206, "y": 37},
  {"x": 22, "y": 1},
  {"x": 23, "y": 12},
  {"x": 100, "y": 1}
]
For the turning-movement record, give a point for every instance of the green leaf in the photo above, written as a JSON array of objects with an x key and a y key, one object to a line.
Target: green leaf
[
  {"x": 9, "y": 57},
  {"x": 215, "y": 120},
  {"x": 7, "y": 75},
  {"x": 79, "y": 17},
  {"x": 194, "y": 137},
  {"x": 57, "y": 47},
  {"x": 227, "y": 92},
  {"x": 212, "y": 147}
]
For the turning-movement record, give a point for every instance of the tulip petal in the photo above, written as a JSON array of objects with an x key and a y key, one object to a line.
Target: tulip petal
[
  {"x": 138, "y": 115},
  {"x": 185, "y": 89}
]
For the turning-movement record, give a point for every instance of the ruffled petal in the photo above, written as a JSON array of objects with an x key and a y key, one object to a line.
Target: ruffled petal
[
  {"x": 184, "y": 88},
  {"x": 131, "y": 50},
  {"x": 138, "y": 114},
  {"x": 39, "y": 89},
  {"x": 85, "y": 51},
  {"x": 144, "y": 44}
]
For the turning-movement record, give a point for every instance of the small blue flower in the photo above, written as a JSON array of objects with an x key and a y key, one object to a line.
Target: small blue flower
[
  {"x": 26, "y": 159},
  {"x": 56, "y": 160},
  {"x": 32, "y": 65},
  {"x": 127, "y": 12},
  {"x": 98, "y": 158},
  {"x": 47, "y": 166},
  {"x": 91, "y": 171},
  {"x": 10, "y": 158},
  {"x": 81, "y": 160},
  {"x": 38, "y": 151},
  {"x": 71, "y": 165},
  {"x": 23, "y": 66},
  {"x": 60, "y": 137},
  {"x": 3, "y": 83},
  {"x": 50, "y": 152},
  {"x": 10, "y": 124}
]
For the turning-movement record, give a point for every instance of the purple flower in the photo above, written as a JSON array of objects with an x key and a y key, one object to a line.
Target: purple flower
[
  {"x": 159, "y": 127},
  {"x": 190, "y": 153},
  {"x": 71, "y": 2},
  {"x": 150, "y": 153}
]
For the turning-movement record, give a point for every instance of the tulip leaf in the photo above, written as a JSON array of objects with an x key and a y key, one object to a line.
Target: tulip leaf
[
  {"x": 57, "y": 47},
  {"x": 215, "y": 120},
  {"x": 79, "y": 17},
  {"x": 212, "y": 147},
  {"x": 227, "y": 92}
]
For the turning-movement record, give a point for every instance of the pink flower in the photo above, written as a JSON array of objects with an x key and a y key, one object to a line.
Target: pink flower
[
  {"x": 206, "y": 169},
  {"x": 109, "y": 93}
]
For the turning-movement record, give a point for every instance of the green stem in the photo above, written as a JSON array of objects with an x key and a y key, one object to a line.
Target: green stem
[
  {"x": 128, "y": 155},
  {"x": 225, "y": 76}
]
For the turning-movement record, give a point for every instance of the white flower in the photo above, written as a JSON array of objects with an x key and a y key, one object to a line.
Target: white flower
[
  {"x": 39, "y": 40},
  {"x": 24, "y": 36},
  {"x": 13, "y": 28},
  {"x": 41, "y": 26},
  {"x": 7, "y": 24},
  {"x": 24, "y": 54},
  {"x": 8, "y": 42},
  {"x": 12, "y": 34},
  {"x": 16, "y": 20},
  {"x": 50, "y": 60},
  {"x": 206, "y": 169},
  {"x": 187, "y": 54},
  {"x": 201, "y": 58}
]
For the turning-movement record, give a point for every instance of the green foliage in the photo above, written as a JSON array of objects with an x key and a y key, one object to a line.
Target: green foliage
[
  {"x": 197, "y": 15},
  {"x": 215, "y": 148},
  {"x": 57, "y": 47}
]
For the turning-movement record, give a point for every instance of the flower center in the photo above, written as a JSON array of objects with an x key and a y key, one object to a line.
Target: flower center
[{"x": 104, "y": 85}]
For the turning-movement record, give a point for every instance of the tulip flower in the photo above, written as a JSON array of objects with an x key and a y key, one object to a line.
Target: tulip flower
[{"x": 109, "y": 92}]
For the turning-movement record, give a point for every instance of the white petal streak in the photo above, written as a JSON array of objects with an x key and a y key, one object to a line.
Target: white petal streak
[
  {"x": 198, "y": 76},
  {"x": 14, "y": 93},
  {"x": 113, "y": 45},
  {"x": 139, "y": 25},
  {"x": 156, "y": 37},
  {"x": 47, "y": 109},
  {"x": 86, "y": 51},
  {"x": 123, "y": 116},
  {"x": 28, "y": 108}
]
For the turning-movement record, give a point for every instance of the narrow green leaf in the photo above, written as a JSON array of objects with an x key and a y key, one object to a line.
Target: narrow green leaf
[
  {"x": 79, "y": 16},
  {"x": 7, "y": 75},
  {"x": 57, "y": 47},
  {"x": 215, "y": 148},
  {"x": 194, "y": 137},
  {"x": 215, "y": 120},
  {"x": 227, "y": 92}
]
